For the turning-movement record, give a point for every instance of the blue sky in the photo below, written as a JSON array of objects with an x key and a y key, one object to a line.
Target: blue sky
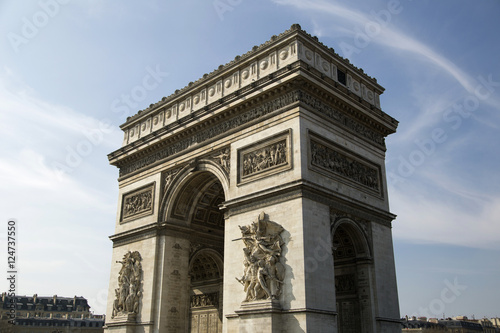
[{"x": 67, "y": 68}]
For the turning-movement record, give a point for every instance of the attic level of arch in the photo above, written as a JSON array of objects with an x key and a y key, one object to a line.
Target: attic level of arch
[
  {"x": 311, "y": 48},
  {"x": 369, "y": 125}
]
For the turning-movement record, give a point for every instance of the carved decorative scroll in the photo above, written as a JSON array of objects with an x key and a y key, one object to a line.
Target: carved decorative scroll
[
  {"x": 138, "y": 203},
  {"x": 263, "y": 272},
  {"x": 332, "y": 159},
  {"x": 128, "y": 293},
  {"x": 266, "y": 157}
]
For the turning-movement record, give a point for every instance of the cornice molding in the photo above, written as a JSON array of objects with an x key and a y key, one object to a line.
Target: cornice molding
[
  {"x": 160, "y": 229},
  {"x": 305, "y": 189},
  {"x": 243, "y": 115}
]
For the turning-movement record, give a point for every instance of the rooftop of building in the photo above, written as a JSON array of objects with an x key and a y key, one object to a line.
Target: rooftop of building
[{"x": 45, "y": 303}]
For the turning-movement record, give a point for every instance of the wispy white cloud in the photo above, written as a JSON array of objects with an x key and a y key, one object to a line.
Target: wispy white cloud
[
  {"x": 388, "y": 35},
  {"x": 24, "y": 113},
  {"x": 424, "y": 219},
  {"x": 421, "y": 217},
  {"x": 57, "y": 213},
  {"x": 392, "y": 38}
]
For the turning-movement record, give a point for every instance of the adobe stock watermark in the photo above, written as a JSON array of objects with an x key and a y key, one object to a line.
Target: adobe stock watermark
[
  {"x": 371, "y": 29},
  {"x": 448, "y": 295},
  {"x": 223, "y": 6},
  {"x": 94, "y": 137},
  {"x": 454, "y": 117},
  {"x": 31, "y": 26},
  {"x": 320, "y": 253}
]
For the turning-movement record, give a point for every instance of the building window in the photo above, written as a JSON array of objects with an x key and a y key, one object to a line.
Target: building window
[{"x": 341, "y": 77}]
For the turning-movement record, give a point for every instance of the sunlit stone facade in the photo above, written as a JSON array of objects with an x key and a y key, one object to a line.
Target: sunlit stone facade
[{"x": 255, "y": 200}]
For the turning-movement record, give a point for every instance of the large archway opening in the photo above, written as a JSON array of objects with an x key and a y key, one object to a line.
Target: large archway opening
[
  {"x": 352, "y": 283},
  {"x": 196, "y": 205}
]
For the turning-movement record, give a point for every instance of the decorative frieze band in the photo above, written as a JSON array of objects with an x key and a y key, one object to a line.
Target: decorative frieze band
[
  {"x": 327, "y": 156},
  {"x": 249, "y": 116},
  {"x": 138, "y": 203}
]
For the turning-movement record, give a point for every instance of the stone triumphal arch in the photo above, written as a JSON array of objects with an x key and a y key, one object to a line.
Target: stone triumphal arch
[{"x": 255, "y": 200}]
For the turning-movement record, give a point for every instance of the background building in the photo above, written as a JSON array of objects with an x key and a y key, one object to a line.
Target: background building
[
  {"x": 48, "y": 314},
  {"x": 459, "y": 324}
]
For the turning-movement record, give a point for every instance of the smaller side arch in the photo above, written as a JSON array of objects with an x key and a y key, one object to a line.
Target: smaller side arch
[
  {"x": 356, "y": 233},
  {"x": 206, "y": 257},
  {"x": 353, "y": 271},
  {"x": 206, "y": 289}
]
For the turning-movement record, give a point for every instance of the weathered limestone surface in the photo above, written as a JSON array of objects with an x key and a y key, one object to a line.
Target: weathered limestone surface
[{"x": 257, "y": 199}]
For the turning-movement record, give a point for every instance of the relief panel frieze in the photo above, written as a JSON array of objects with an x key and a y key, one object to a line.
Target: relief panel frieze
[
  {"x": 264, "y": 158},
  {"x": 332, "y": 160},
  {"x": 138, "y": 203}
]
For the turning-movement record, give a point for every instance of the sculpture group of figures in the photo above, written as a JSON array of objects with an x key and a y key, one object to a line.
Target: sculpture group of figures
[
  {"x": 263, "y": 272},
  {"x": 264, "y": 158},
  {"x": 129, "y": 280},
  {"x": 334, "y": 161},
  {"x": 138, "y": 203}
]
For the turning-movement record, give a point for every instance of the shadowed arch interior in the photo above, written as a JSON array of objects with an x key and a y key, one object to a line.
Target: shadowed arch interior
[
  {"x": 349, "y": 241},
  {"x": 350, "y": 255},
  {"x": 198, "y": 202}
]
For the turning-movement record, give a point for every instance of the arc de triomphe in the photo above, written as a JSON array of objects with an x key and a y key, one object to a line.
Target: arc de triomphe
[{"x": 255, "y": 200}]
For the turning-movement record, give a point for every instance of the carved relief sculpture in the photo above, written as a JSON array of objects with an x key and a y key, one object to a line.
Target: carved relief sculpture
[
  {"x": 345, "y": 283},
  {"x": 338, "y": 163},
  {"x": 167, "y": 179},
  {"x": 202, "y": 300},
  {"x": 263, "y": 272},
  {"x": 128, "y": 293},
  {"x": 264, "y": 158},
  {"x": 223, "y": 159},
  {"x": 138, "y": 203}
]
